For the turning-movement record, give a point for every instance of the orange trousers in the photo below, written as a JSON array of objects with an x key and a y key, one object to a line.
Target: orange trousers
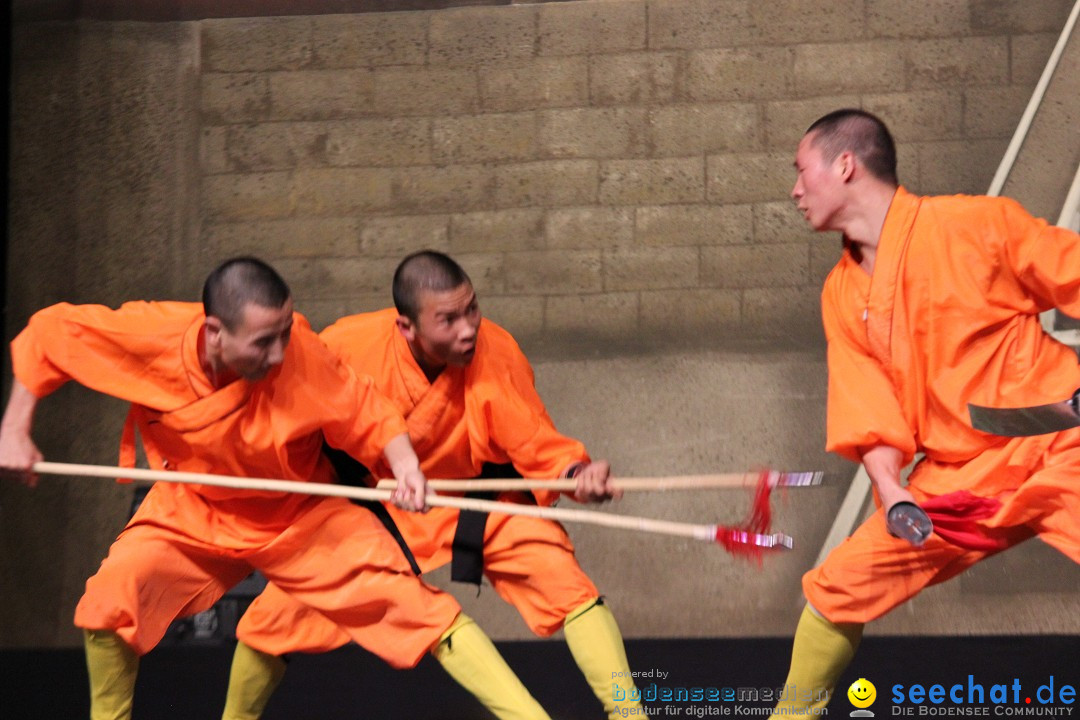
[
  {"x": 177, "y": 557},
  {"x": 1037, "y": 481},
  {"x": 530, "y": 563}
]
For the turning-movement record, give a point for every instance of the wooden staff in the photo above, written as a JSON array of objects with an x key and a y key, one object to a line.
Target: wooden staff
[
  {"x": 710, "y": 533},
  {"x": 682, "y": 482}
]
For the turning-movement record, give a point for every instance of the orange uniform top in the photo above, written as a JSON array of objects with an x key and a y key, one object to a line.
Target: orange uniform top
[
  {"x": 147, "y": 353},
  {"x": 949, "y": 317},
  {"x": 488, "y": 411}
]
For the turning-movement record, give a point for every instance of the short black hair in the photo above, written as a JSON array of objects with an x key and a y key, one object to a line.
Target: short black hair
[
  {"x": 238, "y": 282},
  {"x": 862, "y": 133},
  {"x": 424, "y": 270}
]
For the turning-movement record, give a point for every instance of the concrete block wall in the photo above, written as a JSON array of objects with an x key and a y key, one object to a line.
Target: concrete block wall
[{"x": 604, "y": 169}]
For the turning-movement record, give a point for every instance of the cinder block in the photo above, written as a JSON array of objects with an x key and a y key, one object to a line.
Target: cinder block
[
  {"x": 1029, "y": 16},
  {"x": 487, "y": 271},
  {"x": 234, "y": 97},
  {"x": 378, "y": 143},
  {"x": 300, "y": 237},
  {"x": 468, "y": 36},
  {"x": 688, "y": 24},
  {"x": 247, "y": 196},
  {"x": 679, "y": 313},
  {"x": 484, "y": 138},
  {"x": 750, "y": 177},
  {"x": 369, "y": 39},
  {"x": 652, "y": 268},
  {"x": 396, "y": 236},
  {"x": 781, "y": 222},
  {"x": 581, "y": 28},
  {"x": 674, "y": 225},
  {"x": 343, "y": 191},
  {"x": 554, "y": 271},
  {"x": 1028, "y": 57},
  {"x": 849, "y": 67},
  {"x": 632, "y": 78},
  {"x": 535, "y": 83},
  {"x": 456, "y": 188},
  {"x": 212, "y": 156},
  {"x": 652, "y": 182},
  {"x": 338, "y": 278},
  {"x": 589, "y": 227},
  {"x": 786, "y": 121},
  {"x": 267, "y": 43},
  {"x": 425, "y": 91},
  {"x": 784, "y": 311},
  {"x": 940, "y": 18},
  {"x": 273, "y": 146},
  {"x": 919, "y": 114},
  {"x": 994, "y": 112},
  {"x": 907, "y": 164},
  {"x": 522, "y": 316},
  {"x": 786, "y": 21},
  {"x": 952, "y": 167},
  {"x": 547, "y": 183},
  {"x": 497, "y": 231},
  {"x": 321, "y": 94},
  {"x": 697, "y": 128},
  {"x": 737, "y": 74},
  {"x": 933, "y": 64},
  {"x": 597, "y": 318},
  {"x": 592, "y": 132},
  {"x": 755, "y": 266}
]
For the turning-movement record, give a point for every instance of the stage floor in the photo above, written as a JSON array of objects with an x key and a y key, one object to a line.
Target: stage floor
[{"x": 188, "y": 682}]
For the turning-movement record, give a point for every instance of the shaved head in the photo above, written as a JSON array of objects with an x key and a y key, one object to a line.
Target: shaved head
[
  {"x": 861, "y": 133},
  {"x": 425, "y": 270},
  {"x": 240, "y": 282}
]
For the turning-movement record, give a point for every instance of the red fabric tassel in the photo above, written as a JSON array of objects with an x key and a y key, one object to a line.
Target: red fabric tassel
[
  {"x": 954, "y": 517},
  {"x": 758, "y": 521}
]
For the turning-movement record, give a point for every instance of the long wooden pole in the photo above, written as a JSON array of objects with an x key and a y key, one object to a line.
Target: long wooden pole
[
  {"x": 591, "y": 517},
  {"x": 631, "y": 484}
]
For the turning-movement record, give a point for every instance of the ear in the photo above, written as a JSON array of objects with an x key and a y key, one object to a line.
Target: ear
[
  {"x": 214, "y": 328},
  {"x": 846, "y": 165},
  {"x": 406, "y": 327}
]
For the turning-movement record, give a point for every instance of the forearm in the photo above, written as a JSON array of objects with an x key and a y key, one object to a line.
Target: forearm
[
  {"x": 400, "y": 455},
  {"x": 883, "y": 464},
  {"x": 19, "y": 414}
]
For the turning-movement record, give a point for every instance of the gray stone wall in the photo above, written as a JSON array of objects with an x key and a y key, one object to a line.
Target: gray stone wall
[{"x": 613, "y": 174}]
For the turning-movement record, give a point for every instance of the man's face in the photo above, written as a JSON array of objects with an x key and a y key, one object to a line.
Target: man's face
[
  {"x": 819, "y": 186},
  {"x": 257, "y": 344},
  {"x": 444, "y": 332}
]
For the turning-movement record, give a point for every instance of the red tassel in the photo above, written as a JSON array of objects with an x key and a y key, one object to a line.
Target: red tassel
[{"x": 758, "y": 521}]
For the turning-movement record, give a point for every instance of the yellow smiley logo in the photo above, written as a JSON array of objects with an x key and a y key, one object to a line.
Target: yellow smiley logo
[{"x": 862, "y": 693}]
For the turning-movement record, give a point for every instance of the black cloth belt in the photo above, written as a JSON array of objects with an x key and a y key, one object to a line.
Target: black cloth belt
[
  {"x": 352, "y": 472},
  {"x": 467, "y": 552}
]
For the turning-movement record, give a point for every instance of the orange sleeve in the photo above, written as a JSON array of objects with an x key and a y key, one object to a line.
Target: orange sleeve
[
  {"x": 358, "y": 419},
  {"x": 863, "y": 410},
  {"x": 507, "y": 413},
  {"x": 1044, "y": 258},
  {"x": 130, "y": 353}
]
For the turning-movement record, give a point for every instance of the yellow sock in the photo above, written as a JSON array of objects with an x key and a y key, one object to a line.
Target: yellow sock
[
  {"x": 252, "y": 680},
  {"x": 112, "y": 666},
  {"x": 597, "y": 647},
  {"x": 819, "y": 655},
  {"x": 472, "y": 659}
]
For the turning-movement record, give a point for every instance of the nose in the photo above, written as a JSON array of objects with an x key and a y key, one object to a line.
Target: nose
[
  {"x": 466, "y": 330},
  {"x": 797, "y": 190},
  {"x": 276, "y": 354}
]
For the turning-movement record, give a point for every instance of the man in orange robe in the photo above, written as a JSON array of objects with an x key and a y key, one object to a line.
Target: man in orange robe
[
  {"x": 934, "y": 304},
  {"x": 238, "y": 386},
  {"x": 467, "y": 393}
]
